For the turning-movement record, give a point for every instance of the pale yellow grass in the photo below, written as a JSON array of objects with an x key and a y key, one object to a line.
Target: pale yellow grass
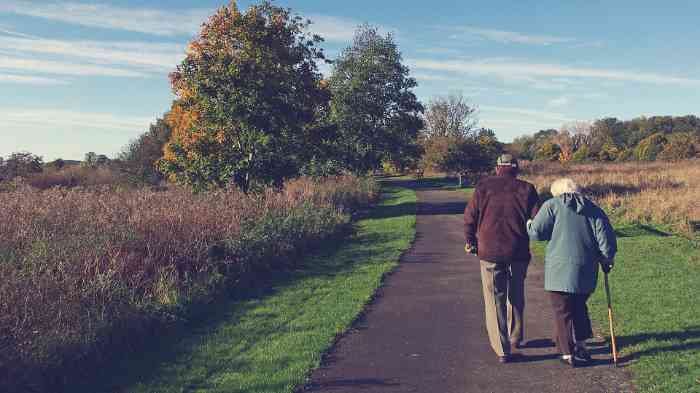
[{"x": 650, "y": 193}]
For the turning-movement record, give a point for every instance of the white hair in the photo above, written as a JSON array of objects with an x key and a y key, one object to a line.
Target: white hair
[{"x": 563, "y": 186}]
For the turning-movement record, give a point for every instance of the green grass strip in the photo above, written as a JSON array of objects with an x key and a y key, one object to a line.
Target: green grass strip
[
  {"x": 655, "y": 286},
  {"x": 271, "y": 341}
]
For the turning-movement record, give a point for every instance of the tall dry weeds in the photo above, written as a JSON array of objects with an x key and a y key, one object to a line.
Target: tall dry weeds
[
  {"x": 649, "y": 193},
  {"x": 87, "y": 270}
]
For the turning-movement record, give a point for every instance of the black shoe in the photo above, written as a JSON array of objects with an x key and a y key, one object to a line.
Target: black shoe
[
  {"x": 583, "y": 355},
  {"x": 505, "y": 359}
]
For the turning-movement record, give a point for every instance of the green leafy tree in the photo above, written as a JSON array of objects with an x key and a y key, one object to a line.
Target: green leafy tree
[
  {"x": 140, "y": 157},
  {"x": 249, "y": 96},
  {"x": 471, "y": 156},
  {"x": 581, "y": 155},
  {"x": 650, "y": 147},
  {"x": 90, "y": 160},
  {"x": 376, "y": 113},
  {"x": 548, "y": 152},
  {"x": 20, "y": 164}
]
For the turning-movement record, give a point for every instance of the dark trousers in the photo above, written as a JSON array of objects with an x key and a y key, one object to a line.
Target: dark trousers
[{"x": 571, "y": 319}]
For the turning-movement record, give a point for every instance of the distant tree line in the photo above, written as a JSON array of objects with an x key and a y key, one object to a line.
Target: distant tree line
[{"x": 643, "y": 139}]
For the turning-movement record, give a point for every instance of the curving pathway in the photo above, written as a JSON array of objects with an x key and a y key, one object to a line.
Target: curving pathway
[{"x": 425, "y": 332}]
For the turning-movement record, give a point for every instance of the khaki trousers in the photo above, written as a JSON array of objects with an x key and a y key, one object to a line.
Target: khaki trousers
[{"x": 504, "y": 303}]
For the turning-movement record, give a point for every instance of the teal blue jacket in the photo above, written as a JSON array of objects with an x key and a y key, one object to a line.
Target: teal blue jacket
[{"x": 580, "y": 236}]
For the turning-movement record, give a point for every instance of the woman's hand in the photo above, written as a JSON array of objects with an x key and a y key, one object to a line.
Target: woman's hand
[{"x": 469, "y": 249}]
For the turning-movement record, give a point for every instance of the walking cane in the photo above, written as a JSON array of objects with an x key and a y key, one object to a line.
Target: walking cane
[{"x": 610, "y": 318}]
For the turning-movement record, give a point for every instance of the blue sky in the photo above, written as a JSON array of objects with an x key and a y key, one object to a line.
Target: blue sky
[{"x": 83, "y": 76}]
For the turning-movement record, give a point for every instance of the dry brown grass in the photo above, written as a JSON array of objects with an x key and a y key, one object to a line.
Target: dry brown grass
[
  {"x": 649, "y": 193},
  {"x": 84, "y": 270}
]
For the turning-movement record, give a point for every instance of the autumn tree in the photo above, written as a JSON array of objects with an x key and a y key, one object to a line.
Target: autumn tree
[
  {"x": 450, "y": 116},
  {"x": 376, "y": 113},
  {"x": 680, "y": 146},
  {"x": 249, "y": 93}
]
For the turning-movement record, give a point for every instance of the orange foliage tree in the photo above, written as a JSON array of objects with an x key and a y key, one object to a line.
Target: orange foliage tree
[{"x": 249, "y": 96}]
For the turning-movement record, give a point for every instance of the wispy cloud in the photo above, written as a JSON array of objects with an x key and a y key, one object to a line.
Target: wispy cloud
[
  {"x": 526, "y": 113},
  {"x": 559, "y": 102},
  {"x": 155, "y": 57},
  {"x": 333, "y": 29},
  {"x": 5, "y": 31},
  {"x": 338, "y": 29},
  {"x": 517, "y": 69},
  {"x": 143, "y": 20},
  {"x": 14, "y": 118},
  {"x": 509, "y": 37},
  {"x": 512, "y": 121},
  {"x": 51, "y": 67},
  {"x": 31, "y": 80}
]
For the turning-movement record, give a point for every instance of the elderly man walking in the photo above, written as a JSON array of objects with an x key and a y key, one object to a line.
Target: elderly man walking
[{"x": 494, "y": 227}]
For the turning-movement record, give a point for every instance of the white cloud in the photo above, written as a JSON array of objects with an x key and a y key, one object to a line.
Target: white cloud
[
  {"x": 333, "y": 29},
  {"x": 338, "y": 29},
  {"x": 63, "y": 68},
  {"x": 5, "y": 31},
  {"x": 523, "y": 113},
  {"x": 23, "y": 118},
  {"x": 510, "y": 122},
  {"x": 515, "y": 69},
  {"x": 559, "y": 102},
  {"x": 155, "y": 57},
  {"x": 430, "y": 77},
  {"x": 142, "y": 20},
  {"x": 31, "y": 80},
  {"x": 511, "y": 37}
]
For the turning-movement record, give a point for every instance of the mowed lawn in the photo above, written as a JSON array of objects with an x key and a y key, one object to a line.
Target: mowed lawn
[
  {"x": 272, "y": 340},
  {"x": 655, "y": 287}
]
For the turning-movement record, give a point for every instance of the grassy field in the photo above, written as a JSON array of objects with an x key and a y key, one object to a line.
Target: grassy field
[
  {"x": 655, "y": 210},
  {"x": 654, "y": 289},
  {"x": 655, "y": 282},
  {"x": 270, "y": 340}
]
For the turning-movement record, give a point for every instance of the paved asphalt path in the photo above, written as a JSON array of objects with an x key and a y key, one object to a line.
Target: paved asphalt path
[{"x": 425, "y": 332}]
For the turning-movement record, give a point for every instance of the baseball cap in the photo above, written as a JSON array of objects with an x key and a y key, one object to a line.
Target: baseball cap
[{"x": 507, "y": 160}]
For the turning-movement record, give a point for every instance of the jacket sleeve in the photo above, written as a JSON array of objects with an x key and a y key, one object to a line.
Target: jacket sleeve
[
  {"x": 471, "y": 218},
  {"x": 533, "y": 202},
  {"x": 605, "y": 236},
  {"x": 540, "y": 228}
]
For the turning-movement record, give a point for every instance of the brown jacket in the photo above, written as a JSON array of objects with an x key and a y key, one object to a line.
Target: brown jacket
[{"x": 495, "y": 218}]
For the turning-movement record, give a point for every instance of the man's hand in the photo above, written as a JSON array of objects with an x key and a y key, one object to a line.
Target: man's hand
[{"x": 469, "y": 249}]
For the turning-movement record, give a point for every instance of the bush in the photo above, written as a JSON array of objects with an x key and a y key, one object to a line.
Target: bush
[
  {"x": 77, "y": 176},
  {"x": 87, "y": 272},
  {"x": 680, "y": 146},
  {"x": 548, "y": 152},
  {"x": 650, "y": 147},
  {"x": 581, "y": 155}
]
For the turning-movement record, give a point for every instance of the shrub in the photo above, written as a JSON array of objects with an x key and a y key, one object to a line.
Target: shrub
[
  {"x": 548, "y": 152},
  {"x": 650, "y": 147},
  {"x": 77, "y": 176},
  {"x": 680, "y": 146},
  {"x": 581, "y": 155},
  {"x": 86, "y": 272}
]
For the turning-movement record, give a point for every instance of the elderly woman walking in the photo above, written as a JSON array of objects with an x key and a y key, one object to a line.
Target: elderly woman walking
[{"x": 580, "y": 237}]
